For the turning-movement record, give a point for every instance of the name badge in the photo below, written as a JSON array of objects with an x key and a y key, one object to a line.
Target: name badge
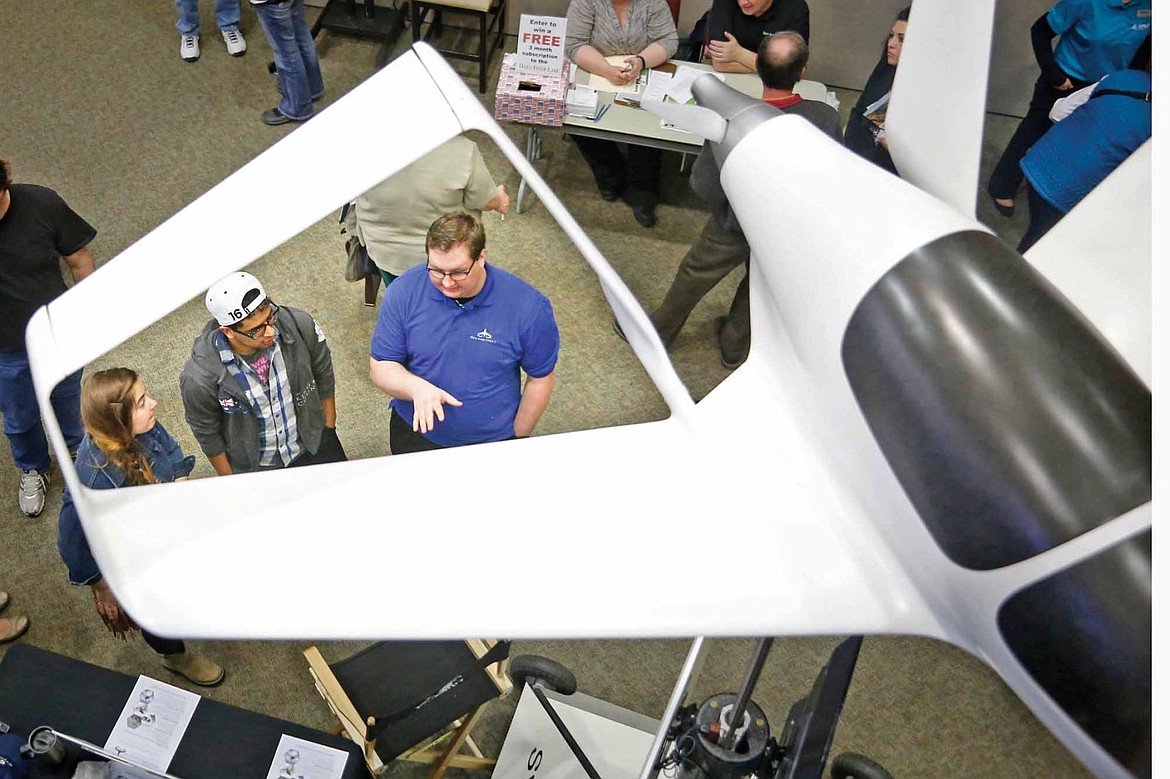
[{"x": 1144, "y": 13}]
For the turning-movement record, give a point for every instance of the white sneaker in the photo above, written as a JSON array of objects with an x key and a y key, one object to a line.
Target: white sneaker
[
  {"x": 236, "y": 45},
  {"x": 33, "y": 485},
  {"x": 189, "y": 47}
]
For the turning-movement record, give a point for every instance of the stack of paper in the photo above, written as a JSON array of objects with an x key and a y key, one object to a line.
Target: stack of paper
[
  {"x": 602, "y": 84},
  {"x": 581, "y": 101},
  {"x": 152, "y": 723},
  {"x": 680, "y": 86},
  {"x": 655, "y": 90},
  {"x": 299, "y": 759}
]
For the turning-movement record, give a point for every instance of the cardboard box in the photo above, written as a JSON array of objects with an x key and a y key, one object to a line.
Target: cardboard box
[{"x": 545, "y": 105}]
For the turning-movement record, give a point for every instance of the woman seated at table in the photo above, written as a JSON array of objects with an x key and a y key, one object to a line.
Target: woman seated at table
[{"x": 644, "y": 30}]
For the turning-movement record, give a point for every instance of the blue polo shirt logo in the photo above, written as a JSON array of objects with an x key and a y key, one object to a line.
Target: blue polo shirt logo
[{"x": 483, "y": 335}]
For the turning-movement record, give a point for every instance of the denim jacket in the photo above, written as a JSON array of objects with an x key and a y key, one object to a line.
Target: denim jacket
[{"x": 94, "y": 470}]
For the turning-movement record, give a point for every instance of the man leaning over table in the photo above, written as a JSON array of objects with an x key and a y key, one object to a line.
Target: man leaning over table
[
  {"x": 737, "y": 28},
  {"x": 722, "y": 247}
]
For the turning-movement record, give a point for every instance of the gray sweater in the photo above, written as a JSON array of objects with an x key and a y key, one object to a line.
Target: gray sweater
[
  {"x": 594, "y": 22},
  {"x": 205, "y": 379}
]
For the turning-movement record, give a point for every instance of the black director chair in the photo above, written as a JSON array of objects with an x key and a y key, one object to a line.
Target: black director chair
[{"x": 397, "y": 699}]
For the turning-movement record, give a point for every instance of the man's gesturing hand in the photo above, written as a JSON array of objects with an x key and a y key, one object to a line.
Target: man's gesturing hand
[{"x": 428, "y": 403}]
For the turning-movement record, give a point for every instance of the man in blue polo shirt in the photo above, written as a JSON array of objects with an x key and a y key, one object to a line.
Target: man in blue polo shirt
[{"x": 451, "y": 339}]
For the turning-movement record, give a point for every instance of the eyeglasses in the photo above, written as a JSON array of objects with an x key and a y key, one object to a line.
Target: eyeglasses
[
  {"x": 256, "y": 332},
  {"x": 456, "y": 275}
]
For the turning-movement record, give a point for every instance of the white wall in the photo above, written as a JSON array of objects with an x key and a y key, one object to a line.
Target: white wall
[{"x": 848, "y": 36}]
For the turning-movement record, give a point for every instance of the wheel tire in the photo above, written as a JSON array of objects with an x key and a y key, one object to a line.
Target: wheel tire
[
  {"x": 850, "y": 765},
  {"x": 535, "y": 668}
]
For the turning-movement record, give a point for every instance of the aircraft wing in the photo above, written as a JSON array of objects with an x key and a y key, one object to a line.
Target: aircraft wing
[
  {"x": 587, "y": 534},
  {"x": 934, "y": 125},
  {"x": 1099, "y": 254}
]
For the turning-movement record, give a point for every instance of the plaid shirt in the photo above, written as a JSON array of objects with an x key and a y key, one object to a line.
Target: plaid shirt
[{"x": 272, "y": 403}]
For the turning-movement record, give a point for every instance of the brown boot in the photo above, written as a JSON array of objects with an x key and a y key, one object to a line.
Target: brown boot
[{"x": 195, "y": 667}]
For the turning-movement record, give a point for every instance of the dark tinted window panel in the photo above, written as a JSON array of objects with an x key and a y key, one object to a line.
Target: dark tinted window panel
[
  {"x": 1084, "y": 634},
  {"x": 1011, "y": 425}
]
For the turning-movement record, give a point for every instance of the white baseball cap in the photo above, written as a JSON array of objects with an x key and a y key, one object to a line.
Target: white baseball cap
[{"x": 234, "y": 297}]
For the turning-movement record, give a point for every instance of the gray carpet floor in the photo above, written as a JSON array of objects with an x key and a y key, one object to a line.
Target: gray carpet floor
[{"x": 95, "y": 103}]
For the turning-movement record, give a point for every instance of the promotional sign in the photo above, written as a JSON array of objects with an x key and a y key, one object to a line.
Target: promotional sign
[
  {"x": 615, "y": 740},
  {"x": 541, "y": 44}
]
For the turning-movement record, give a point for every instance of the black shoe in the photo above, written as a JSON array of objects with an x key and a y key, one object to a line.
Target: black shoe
[
  {"x": 644, "y": 215},
  {"x": 610, "y": 195},
  {"x": 730, "y": 362},
  {"x": 274, "y": 117},
  {"x": 1002, "y": 209}
]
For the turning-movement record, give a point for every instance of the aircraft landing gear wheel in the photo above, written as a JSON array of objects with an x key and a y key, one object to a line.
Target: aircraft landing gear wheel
[
  {"x": 541, "y": 670},
  {"x": 850, "y": 765}
]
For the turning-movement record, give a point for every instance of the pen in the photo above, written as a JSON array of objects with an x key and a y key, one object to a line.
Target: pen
[{"x": 601, "y": 113}]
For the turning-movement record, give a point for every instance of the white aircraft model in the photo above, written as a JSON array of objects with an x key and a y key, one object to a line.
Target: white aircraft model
[{"x": 937, "y": 442}]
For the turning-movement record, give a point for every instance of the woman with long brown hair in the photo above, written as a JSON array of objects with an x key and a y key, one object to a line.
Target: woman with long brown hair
[
  {"x": 864, "y": 132},
  {"x": 124, "y": 446}
]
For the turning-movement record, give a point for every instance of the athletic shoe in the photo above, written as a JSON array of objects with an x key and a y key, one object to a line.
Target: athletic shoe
[
  {"x": 33, "y": 485},
  {"x": 234, "y": 40},
  {"x": 189, "y": 47}
]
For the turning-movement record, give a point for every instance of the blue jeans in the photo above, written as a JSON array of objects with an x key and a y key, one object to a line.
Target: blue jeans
[
  {"x": 22, "y": 415},
  {"x": 227, "y": 15},
  {"x": 298, "y": 72}
]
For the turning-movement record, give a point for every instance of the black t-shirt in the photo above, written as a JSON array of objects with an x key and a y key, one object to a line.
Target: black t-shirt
[
  {"x": 750, "y": 31},
  {"x": 38, "y": 229}
]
